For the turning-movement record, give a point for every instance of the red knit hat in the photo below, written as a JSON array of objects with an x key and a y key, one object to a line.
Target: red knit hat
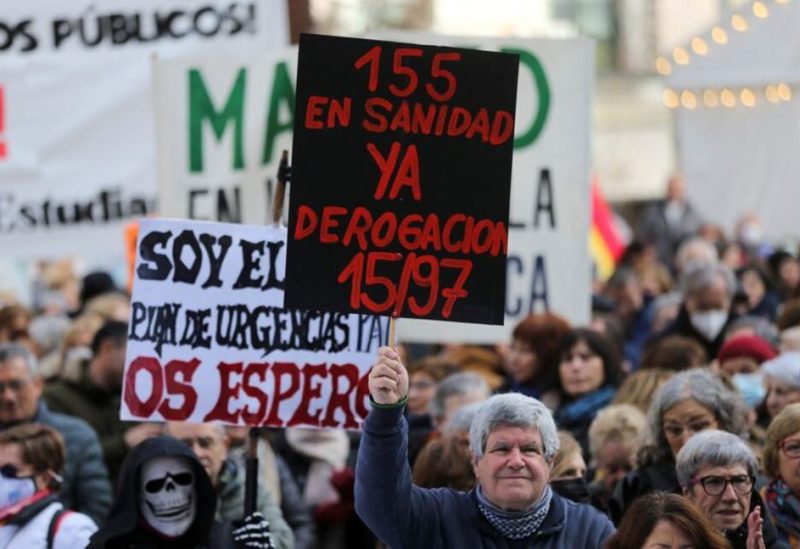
[{"x": 749, "y": 346}]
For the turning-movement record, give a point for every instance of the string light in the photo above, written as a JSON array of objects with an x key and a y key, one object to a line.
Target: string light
[
  {"x": 663, "y": 66},
  {"x": 688, "y": 99},
  {"x": 760, "y": 9},
  {"x": 784, "y": 92},
  {"x": 719, "y": 35},
  {"x": 671, "y": 99},
  {"x": 681, "y": 56},
  {"x": 727, "y": 98},
  {"x": 739, "y": 23},
  {"x": 748, "y": 98},
  {"x": 771, "y": 93},
  {"x": 699, "y": 46},
  {"x": 710, "y": 98}
]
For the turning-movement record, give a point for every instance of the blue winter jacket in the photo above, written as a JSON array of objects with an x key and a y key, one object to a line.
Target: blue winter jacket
[{"x": 404, "y": 515}]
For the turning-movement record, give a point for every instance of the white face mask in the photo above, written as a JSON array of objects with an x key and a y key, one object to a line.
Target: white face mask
[
  {"x": 709, "y": 323},
  {"x": 15, "y": 489},
  {"x": 167, "y": 495}
]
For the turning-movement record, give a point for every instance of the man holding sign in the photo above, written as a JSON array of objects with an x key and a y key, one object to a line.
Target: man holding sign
[{"x": 512, "y": 439}]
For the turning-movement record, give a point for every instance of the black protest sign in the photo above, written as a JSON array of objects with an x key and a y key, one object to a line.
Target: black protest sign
[{"x": 401, "y": 177}]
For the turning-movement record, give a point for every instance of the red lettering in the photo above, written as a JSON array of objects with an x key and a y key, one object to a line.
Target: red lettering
[
  {"x": 303, "y": 415},
  {"x": 372, "y": 57},
  {"x": 340, "y": 400},
  {"x": 407, "y": 175},
  {"x": 483, "y": 236},
  {"x": 328, "y": 223},
  {"x": 339, "y": 113},
  {"x": 401, "y": 70},
  {"x": 279, "y": 394},
  {"x": 386, "y": 223},
  {"x": 135, "y": 405},
  {"x": 457, "y": 290},
  {"x": 385, "y": 166},
  {"x": 259, "y": 370},
  {"x": 500, "y": 239},
  {"x": 401, "y": 118},
  {"x": 378, "y": 123},
  {"x": 409, "y": 231},
  {"x": 449, "y": 225},
  {"x": 459, "y": 121},
  {"x": 502, "y": 128},
  {"x": 306, "y": 222},
  {"x": 314, "y": 112},
  {"x": 422, "y": 121},
  {"x": 431, "y": 235},
  {"x": 226, "y": 394},
  {"x": 175, "y": 387},
  {"x": 441, "y": 120},
  {"x": 359, "y": 224},
  {"x": 480, "y": 125}
]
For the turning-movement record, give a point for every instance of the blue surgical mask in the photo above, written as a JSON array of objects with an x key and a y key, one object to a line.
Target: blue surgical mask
[
  {"x": 14, "y": 489},
  {"x": 751, "y": 387}
]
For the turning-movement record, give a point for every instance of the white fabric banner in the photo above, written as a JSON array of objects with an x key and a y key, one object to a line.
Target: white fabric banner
[
  {"x": 209, "y": 339},
  {"x": 77, "y": 153}
]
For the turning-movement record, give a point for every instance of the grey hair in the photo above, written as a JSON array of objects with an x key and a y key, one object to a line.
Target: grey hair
[
  {"x": 713, "y": 448},
  {"x": 705, "y": 388},
  {"x": 462, "y": 419},
  {"x": 513, "y": 410},
  {"x": 761, "y": 327},
  {"x": 10, "y": 351},
  {"x": 702, "y": 276},
  {"x": 456, "y": 384}
]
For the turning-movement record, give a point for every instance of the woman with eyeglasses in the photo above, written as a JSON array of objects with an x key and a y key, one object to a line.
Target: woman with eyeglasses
[
  {"x": 782, "y": 464},
  {"x": 31, "y": 462},
  {"x": 689, "y": 402},
  {"x": 716, "y": 471}
]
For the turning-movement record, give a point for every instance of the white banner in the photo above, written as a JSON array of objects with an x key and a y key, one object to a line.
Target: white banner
[
  {"x": 242, "y": 113},
  {"x": 77, "y": 153},
  {"x": 209, "y": 339}
]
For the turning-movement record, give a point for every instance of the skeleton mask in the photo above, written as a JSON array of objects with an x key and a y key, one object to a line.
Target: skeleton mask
[{"x": 167, "y": 495}]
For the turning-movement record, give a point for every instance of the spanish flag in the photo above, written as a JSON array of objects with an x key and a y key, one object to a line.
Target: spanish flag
[{"x": 605, "y": 243}]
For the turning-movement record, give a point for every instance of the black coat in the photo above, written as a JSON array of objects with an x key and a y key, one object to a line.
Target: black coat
[
  {"x": 124, "y": 528},
  {"x": 738, "y": 537},
  {"x": 659, "y": 476}
]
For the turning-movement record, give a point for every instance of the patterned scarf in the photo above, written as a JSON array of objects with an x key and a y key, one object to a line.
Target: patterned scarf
[
  {"x": 515, "y": 524},
  {"x": 784, "y": 506}
]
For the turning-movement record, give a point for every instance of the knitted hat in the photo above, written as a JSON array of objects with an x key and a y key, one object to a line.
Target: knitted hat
[
  {"x": 785, "y": 368},
  {"x": 746, "y": 346}
]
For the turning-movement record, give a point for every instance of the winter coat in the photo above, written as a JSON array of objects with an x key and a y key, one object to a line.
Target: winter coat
[
  {"x": 659, "y": 476},
  {"x": 403, "y": 515},
  {"x": 30, "y": 527},
  {"x": 125, "y": 527}
]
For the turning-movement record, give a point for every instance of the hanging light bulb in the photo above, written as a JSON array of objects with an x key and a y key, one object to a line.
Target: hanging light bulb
[
  {"x": 784, "y": 92},
  {"x": 663, "y": 66},
  {"x": 671, "y": 99},
  {"x": 771, "y": 93},
  {"x": 719, "y": 35},
  {"x": 760, "y": 9},
  {"x": 727, "y": 98},
  {"x": 688, "y": 99},
  {"x": 699, "y": 46},
  {"x": 739, "y": 23},
  {"x": 681, "y": 56},
  {"x": 710, "y": 98},
  {"x": 748, "y": 98}
]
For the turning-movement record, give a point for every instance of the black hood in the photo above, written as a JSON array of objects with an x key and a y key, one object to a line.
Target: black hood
[{"x": 124, "y": 518}]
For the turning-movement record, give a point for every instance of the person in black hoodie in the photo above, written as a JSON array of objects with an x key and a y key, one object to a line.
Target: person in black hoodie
[{"x": 164, "y": 463}]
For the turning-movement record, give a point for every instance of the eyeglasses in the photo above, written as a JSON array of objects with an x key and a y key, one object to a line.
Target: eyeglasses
[
  {"x": 183, "y": 479},
  {"x": 714, "y": 486},
  {"x": 16, "y": 385},
  {"x": 791, "y": 448}
]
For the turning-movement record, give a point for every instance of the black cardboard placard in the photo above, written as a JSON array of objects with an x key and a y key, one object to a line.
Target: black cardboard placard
[{"x": 401, "y": 175}]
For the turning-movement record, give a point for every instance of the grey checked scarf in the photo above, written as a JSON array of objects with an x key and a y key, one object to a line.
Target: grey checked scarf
[{"x": 515, "y": 524}]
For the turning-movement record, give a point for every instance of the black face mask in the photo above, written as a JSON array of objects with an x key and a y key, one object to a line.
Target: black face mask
[{"x": 575, "y": 489}]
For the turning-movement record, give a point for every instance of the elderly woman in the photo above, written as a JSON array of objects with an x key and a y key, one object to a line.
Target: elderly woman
[
  {"x": 614, "y": 438},
  {"x": 31, "y": 462},
  {"x": 782, "y": 465},
  {"x": 690, "y": 402},
  {"x": 660, "y": 520},
  {"x": 512, "y": 440},
  {"x": 717, "y": 472},
  {"x": 782, "y": 382}
]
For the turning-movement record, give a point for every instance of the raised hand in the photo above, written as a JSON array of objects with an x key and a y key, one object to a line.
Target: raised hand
[{"x": 388, "y": 380}]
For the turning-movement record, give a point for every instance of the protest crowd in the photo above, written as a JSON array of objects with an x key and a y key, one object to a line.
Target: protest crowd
[{"x": 674, "y": 415}]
